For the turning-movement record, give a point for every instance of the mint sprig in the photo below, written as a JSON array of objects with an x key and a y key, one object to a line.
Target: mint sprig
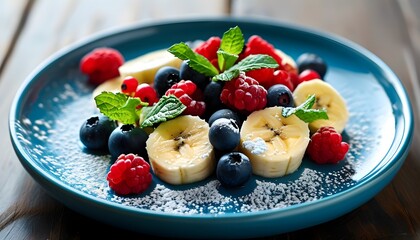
[
  {"x": 305, "y": 111},
  {"x": 195, "y": 60},
  {"x": 230, "y": 47},
  {"x": 233, "y": 41},
  {"x": 252, "y": 62},
  {"x": 119, "y": 107},
  {"x": 226, "y": 60},
  {"x": 167, "y": 108}
]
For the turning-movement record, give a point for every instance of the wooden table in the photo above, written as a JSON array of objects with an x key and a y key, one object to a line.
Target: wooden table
[{"x": 34, "y": 29}]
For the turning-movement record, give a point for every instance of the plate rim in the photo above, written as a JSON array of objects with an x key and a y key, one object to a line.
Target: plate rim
[{"x": 396, "y": 158}]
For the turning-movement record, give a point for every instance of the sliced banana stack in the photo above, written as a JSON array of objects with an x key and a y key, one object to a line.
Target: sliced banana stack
[
  {"x": 326, "y": 97},
  {"x": 180, "y": 151},
  {"x": 275, "y": 145},
  {"x": 144, "y": 68}
]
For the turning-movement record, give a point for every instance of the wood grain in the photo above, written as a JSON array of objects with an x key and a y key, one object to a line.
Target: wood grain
[{"x": 12, "y": 18}]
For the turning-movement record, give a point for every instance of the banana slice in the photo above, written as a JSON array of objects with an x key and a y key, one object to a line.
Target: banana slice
[
  {"x": 144, "y": 68},
  {"x": 180, "y": 151},
  {"x": 112, "y": 85},
  {"x": 326, "y": 97},
  {"x": 274, "y": 144}
]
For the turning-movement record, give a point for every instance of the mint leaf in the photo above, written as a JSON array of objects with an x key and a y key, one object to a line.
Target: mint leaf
[
  {"x": 195, "y": 60},
  {"x": 119, "y": 107},
  {"x": 225, "y": 59},
  {"x": 305, "y": 111},
  {"x": 252, "y": 62},
  {"x": 233, "y": 41},
  {"x": 144, "y": 111},
  {"x": 167, "y": 108},
  {"x": 230, "y": 47},
  {"x": 227, "y": 75}
]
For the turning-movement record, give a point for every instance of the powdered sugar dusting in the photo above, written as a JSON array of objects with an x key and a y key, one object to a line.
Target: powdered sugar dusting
[
  {"x": 52, "y": 141},
  {"x": 256, "y": 146}
]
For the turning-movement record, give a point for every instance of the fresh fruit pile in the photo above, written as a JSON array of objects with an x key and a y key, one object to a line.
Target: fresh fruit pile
[{"x": 226, "y": 106}]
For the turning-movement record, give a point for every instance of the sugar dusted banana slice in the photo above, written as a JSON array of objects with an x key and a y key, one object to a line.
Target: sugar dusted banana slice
[
  {"x": 274, "y": 144},
  {"x": 180, "y": 151}
]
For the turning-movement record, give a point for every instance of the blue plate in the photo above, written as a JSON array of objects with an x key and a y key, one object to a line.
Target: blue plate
[{"x": 55, "y": 99}]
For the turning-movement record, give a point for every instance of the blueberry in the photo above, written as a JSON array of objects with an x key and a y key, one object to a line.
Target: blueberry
[
  {"x": 95, "y": 131},
  {"x": 212, "y": 96},
  {"x": 312, "y": 61},
  {"x": 233, "y": 170},
  {"x": 224, "y": 134},
  {"x": 225, "y": 113},
  {"x": 279, "y": 95},
  {"x": 128, "y": 139},
  {"x": 165, "y": 77},
  {"x": 187, "y": 73}
]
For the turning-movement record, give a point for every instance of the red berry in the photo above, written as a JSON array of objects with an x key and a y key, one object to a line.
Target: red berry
[
  {"x": 146, "y": 93},
  {"x": 282, "y": 77},
  {"x": 308, "y": 75},
  {"x": 130, "y": 174},
  {"x": 294, "y": 77},
  {"x": 209, "y": 48},
  {"x": 215, "y": 63},
  {"x": 326, "y": 146},
  {"x": 244, "y": 94},
  {"x": 264, "y": 76},
  {"x": 101, "y": 64},
  {"x": 186, "y": 92},
  {"x": 257, "y": 45},
  {"x": 129, "y": 85}
]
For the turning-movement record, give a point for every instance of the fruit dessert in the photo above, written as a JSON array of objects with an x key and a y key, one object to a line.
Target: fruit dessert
[{"x": 225, "y": 106}]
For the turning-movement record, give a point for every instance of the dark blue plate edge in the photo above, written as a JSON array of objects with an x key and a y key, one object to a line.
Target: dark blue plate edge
[{"x": 379, "y": 179}]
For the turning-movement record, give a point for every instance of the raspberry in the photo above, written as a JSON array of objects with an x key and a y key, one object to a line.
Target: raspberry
[
  {"x": 209, "y": 48},
  {"x": 244, "y": 94},
  {"x": 257, "y": 45},
  {"x": 264, "y": 76},
  {"x": 130, "y": 174},
  {"x": 326, "y": 146},
  {"x": 186, "y": 92},
  {"x": 101, "y": 64}
]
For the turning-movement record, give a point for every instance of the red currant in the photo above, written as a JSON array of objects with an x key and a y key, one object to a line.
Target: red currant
[
  {"x": 282, "y": 77},
  {"x": 146, "y": 93},
  {"x": 308, "y": 75},
  {"x": 129, "y": 85}
]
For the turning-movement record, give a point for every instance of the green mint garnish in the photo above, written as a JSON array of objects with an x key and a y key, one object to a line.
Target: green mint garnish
[
  {"x": 119, "y": 107},
  {"x": 195, "y": 60},
  {"x": 231, "y": 46},
  {"x": 252, "y": 62},
  {"x": 167, "y": 108},
  {"x": 233, "y": 41},
  {"x": 225, "y": 59},
  {"x": 305, "y": 111}
]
